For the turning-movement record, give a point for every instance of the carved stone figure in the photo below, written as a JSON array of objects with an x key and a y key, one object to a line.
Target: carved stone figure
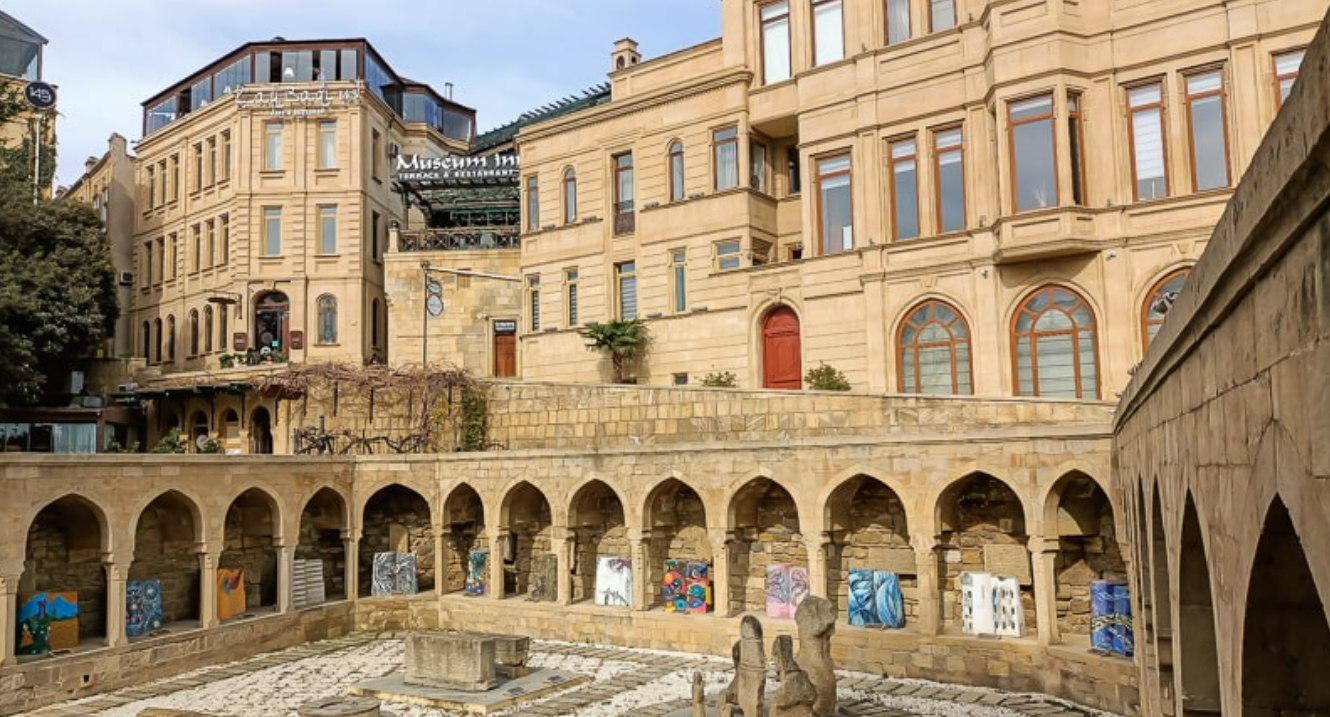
[
  {"x": 699, "y": 696},
  {"x": 816, "y": 620},
  {"x": 797, "y": 694},
  {"x": 750, "y": 671}
]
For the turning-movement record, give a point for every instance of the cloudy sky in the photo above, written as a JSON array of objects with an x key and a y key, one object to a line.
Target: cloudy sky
[{"x": 502, "y": 56}]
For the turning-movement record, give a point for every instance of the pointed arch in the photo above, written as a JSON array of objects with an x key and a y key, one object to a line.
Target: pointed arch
[
  {"x": 529, "y": 561},
  {"x": 324, "y": 520},
  {"x": 396, "y": 519},
  {"x": 676, "y": 515},
  {"x": 1197, "y": 648},
  {"x": 596, "y": 522},
  {"x": 763, "y": 507},
  {"x": 168, "y": 533},
  {"x": 467, "y": 541},
  {"x": 65, "y": 543}
]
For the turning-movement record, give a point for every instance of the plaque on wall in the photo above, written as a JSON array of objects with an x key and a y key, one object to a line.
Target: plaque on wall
[
  {"x": 1012, "y": 560},
  {"x": 505, "y": 327},
  {"x": 239, "y": 341},
  {"x": 901, "y": 561},
  {"x": 297, "y": 340}
]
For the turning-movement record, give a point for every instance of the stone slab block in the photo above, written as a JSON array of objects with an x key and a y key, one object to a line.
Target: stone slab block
[{"x": 458, "y": 661}]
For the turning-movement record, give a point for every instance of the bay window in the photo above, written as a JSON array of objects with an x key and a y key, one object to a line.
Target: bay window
[{"x": 1033, "y": 160}]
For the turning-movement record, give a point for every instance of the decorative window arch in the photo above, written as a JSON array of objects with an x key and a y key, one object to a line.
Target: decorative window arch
[
  {"x": 207, "y": 329},
  {"x": 676, "y": 171},
  {"x": 157, "y": 344},
  {"x": 1055, "y": 345},
  {"x": 569, "y": 196},
  {"x": 327, "y": 319},
  {"x": 1159, "y": 301},
  {"x": 933, "y": 351},
  {"x": 170, "y": 338},
  {"x": 193, "y": 332},
  {"x": 147, "y": 341}
]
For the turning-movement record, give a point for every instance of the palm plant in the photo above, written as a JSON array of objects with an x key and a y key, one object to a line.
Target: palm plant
[{"x": 621, "y": 340}]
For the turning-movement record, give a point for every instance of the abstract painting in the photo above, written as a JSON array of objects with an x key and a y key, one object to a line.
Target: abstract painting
[
  {"x": 383, "y": 580},
  {"x": 614, "y": 581},
  {"x": 977, "y": 604},
  {"x": 406, "y": 574},
  {"x": 1008, "y": 615},
  {"x": 697, "y": 588},
  {"x": 230, "y": 592},
  {"x": 672, "y": 592},
  {"x": 787, "y": 586},
  {"x": 143, "y": 607},
  {"x": 47, "y": 621},
  {"x": 1110, "y": 618},
  {"x": 1124, "y": 639},
  {"x": 475, "y": 573},
  {"x": 875, "y": 598}
]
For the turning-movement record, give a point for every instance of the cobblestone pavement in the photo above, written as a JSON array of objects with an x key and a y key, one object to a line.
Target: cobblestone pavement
[{"x": 637, "y": 682}]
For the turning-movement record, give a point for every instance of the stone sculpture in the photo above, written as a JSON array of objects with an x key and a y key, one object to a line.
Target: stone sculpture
[
  {"x": 797, "y": 693},
  {"x": 699, "y": 696},
  {"x": 751, "y": 674},
  {"x": 730, "y": 696},
  {"x": 816, "y": 620}
]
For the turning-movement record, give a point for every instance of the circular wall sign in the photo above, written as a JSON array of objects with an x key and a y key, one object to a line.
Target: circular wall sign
[
  {"x": 40, "y": 95},
  {"x": 434, "y": 305},
  {"x": 434, "y": 287}
]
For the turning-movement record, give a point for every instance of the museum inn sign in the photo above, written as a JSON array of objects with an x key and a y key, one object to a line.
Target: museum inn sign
[{"x": 416, "y": 168}]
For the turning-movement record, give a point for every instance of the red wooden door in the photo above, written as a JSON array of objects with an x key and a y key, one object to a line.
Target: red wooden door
[{"x": 782, "y": 366}]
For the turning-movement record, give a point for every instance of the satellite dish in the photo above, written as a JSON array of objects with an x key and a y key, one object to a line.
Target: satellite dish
[{"x": 201, "y": 440}]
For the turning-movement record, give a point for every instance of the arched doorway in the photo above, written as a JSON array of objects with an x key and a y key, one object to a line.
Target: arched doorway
[
  {"x": 529, "y": 561},
  {"x": 982, "y": 523},
  {"x": 466, "y": 567},
  {"x": 597, "y": 524},
  {"x": 260, "y": 432},
  {"x": 321, "y": 549},
  {"x": 768, "y": 555},
  {"x": 272, "y": 319},
  {"x": 62, "y": 593},
  {"x": 1081, "y": 514},
  {"x": 1286, "y": 640},
  {"x": 679, "y": 547},
  {"x": 396, "y": 520},
  {"x": 869, "y": 537},
  {"x": 1196, "y": 622},
  {"x": 250, "y": 532},
  {"x": 166, "y": 546},
  {"x": 782, "y": 362}
]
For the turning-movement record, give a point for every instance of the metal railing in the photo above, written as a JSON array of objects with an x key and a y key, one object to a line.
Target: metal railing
[{"x": 470, "y": 238}]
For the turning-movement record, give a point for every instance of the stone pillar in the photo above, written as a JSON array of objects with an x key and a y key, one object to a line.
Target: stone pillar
[
  {"x": 208, "y": 587},
  {"x": 117, "y": 574},
  {"x": 1044, "y": 554},
  {"x": 8, "y": 615},
  {"x": 286, "y": 568},
  {"x": 818, "y": 545},
  {"x": 929, "y": 618},
  {"x": 440, "y": 562},
  {"x": 721, "y": 541},
  {"x": 640, "y": 539},
  {"x": 498, "y": 542},
  {"x": 561, "y": 541},
  {"x": 351, "y": 558}
]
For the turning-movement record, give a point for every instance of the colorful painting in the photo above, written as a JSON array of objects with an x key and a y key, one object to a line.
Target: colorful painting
[
  {"x": 475, "y": 573},
  {"x": 614, "y": 581},
  {"x": 383, "y": 580},
  {"x": 47, "y": 621},
  {"x": 1110, "y": 618},
  {"x": 143, "y": 607},
  {"x": 406, "y": 574},
  {"x": 1008, "y": 615},
  {"x": 977, "y": 604},
  {"x": 875, "y": 598},
  {"x": 697, "y": 588},
  {"x": 1124, "y": 638},
  {"x": 672, "y": 592},
  {"x": 230, "y": 592},
  {"x": 787, "y": 586}
]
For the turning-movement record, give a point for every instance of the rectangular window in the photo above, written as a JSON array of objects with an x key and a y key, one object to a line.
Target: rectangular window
[
  {"x": 569, "y": 197},
  {"x": 775, "y": 42},
  {"x": 679, "y": 280},
  {"x": 152, "y": 187},
  {"x": 1076, "y": 137},
  {"x": 757, "y": 167},
  {"x": 198, "y": 167},
  {"x": 1034, "y": 173},
  {"x": 950, "y": 177},
  {"x": 835, "y": 228},
  {"x": 210, "y": 177},
  {"x": 224, "y": 255},
  {"x": 147, "y": 263},
  {"x": 174, "y": 265},
  {"x": 532, "y": 203},
  {"x": 828, "y": 32},
  {"x": 792, "y": 173},
  {"x": 225, "y": 169},
  {"x": 904, "y": 189},
  {"x": 272, "y": 146},
  {"x": 175, "y": 178},
  {"x": 725, "y": 152},
  {"x": 1146, "y": 124},
  {"x": 1286, "y": 73},
  {"x": 375, "y": 247},
  {"x": 728, "y": 256},
  {"x": 328, "y": 230},
  {"x": 375, "y": 153},
  {"x": 327, "y": 145},
  {"x": 676, "y": 171},
  {"x": 898, "y": 21},
  {"x": 533, "y": 300},
  {"x": 161, "y": 259},
  {"x": 196, "y": 248},
  {"x": 210, "y": 251},
  {"x": 570, "y": 295},
  {"x": 623, "y": 194},
  {"x": 625, "y": 275},
  {"x": 1207, "y": 124},
  {"x": 163, "y": 186},
  {"x": 941, "y": 15},
  {"x": 272, "y": 231}
]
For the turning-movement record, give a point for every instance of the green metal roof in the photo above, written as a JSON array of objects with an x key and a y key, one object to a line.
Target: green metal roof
[{"x": 591, "y": 97}]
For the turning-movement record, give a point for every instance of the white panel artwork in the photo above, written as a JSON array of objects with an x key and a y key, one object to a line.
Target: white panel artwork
[
  {"x": 977, "y": 616},
  {"x": 614, "y": 581},
  {"x": 1008, "y": 616}
]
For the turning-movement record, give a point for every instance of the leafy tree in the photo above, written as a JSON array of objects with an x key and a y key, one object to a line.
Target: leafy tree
[
  {"x": 621, "y": 340},
  {"x": 57, "y": 282}
]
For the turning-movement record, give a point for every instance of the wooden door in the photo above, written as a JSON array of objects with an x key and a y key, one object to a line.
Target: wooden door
[
  {"x": 505, "y": 355},
  {"x": 782, "y": 365}
]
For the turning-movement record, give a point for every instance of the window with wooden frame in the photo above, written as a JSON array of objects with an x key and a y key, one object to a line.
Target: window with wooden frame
[
  {"x": 272, "y": 231},
  {"x": 1033, "y": 155},
  {"x": 210, "y": 250},
  {"x": 533, "y": 301},
  {"x": 157, "y": 345},
  {"x": 223, "y": 327},
  {"x": 676, "y": 170},
  {"x": 375, "y": 153},
  {"x": 197, "y": 184},
  {"x": 624, "y": 218},
  {"x": 941, "y": 15},
  {"x": 328, "y": 144},
  {"x": 949, "y": 178},
  {"x": 1207, "y": 129},
  {"x": 173, "y": 266},
  {"x": 1055, "y": 345},
  {"x": 532, "y": 203},
  {"x": 679, "y": 280},
  {"x": 728, "y": 255},
  {"x": 195, "y": 248},
  {"x": 174, "y": 191},
  {"x": 170, "y": 339},
  {"x": 207, "y": 329},
  {"x": 328, "y": 229},
  {"x": 834, "y": 205},
  {"x": 828, "y": 32},
  {"x": 1149, "y": 170},
  {"x": 193, "y": 332},
  {"x": 225, "y": 169},
  {"x": 902, "y": 155},
  {"x": 327, "y": 319},
  {"x": 898, "y": 21},
  {"x": 272, "y": 146},
  {"x": 1159, "y": 301},
  {"x": 1076, "y": 140},
  {"x": 211, "y": 175},
  {"x": 793, "y": 175},
  {"x": 933, "y": 347},
  {"x": 775, "y": 37},
  {"x": 625, "y": 289},
  {"x": 757, "y": 166},
  {"x": 569, "y": 196},
  {"x": 1287, "y": 65},
  {"x": 570, "y": 296},
  {"x": 725, "y": 156},
  {"x": 224, "y": 229},
  {"x": 151, "y": 184}
]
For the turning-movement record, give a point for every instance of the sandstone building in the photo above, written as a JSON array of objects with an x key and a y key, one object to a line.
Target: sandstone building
[{"x": 21, "y": 50}]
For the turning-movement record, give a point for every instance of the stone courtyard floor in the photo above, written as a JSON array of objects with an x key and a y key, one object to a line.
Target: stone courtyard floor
[{"x": 643, "y": 683}]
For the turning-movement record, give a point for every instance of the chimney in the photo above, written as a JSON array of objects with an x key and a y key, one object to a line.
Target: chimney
[
  {"x": 625, "y": 54},
  {"x": 89, "y": 163}
]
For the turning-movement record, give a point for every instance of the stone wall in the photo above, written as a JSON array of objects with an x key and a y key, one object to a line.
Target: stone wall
[
  {"x": 250, "y": 527},
  {"x": 397, "y": 520}
]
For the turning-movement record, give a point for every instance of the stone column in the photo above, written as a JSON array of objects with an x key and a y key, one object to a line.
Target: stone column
[
  {"x": 929, "y": 619},
  {"x": 117, "y": 574},
  {"x": 208, "y": 587},
  {"x": 1044, "y": 554},
  {"x": 286, "y": 569},
  {"x": 818, "y": 545},
  {"x": 640, "y": 540},
  {"x": 561, "y": 541},
  {"x": 498, "y": 540},
  {"x": 8, "y": 615},
  {"x": 440, "y": 562},
  {"x": 721, "y": 541},
  {"x": 351, "y": 560}
]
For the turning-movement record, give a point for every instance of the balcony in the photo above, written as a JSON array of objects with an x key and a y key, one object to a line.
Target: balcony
[{"x": 460, "y": 239}]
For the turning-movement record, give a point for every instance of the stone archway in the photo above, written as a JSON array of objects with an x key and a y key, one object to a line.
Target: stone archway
[
  {"x": 529, "y": 561},
  {"x": 1286, "y": 639},
  {"x": 869, "y": 531},
  {"x": 1162, "y": 591},
  {"x": 596, "y": 524},
  {"x": 677, "y": 518},
  {"x": 982, "y": 523},
  {"x": 464, "y": 535},
  {"x": 1088, "y": 549},
  {"x": 251, "y": 528},
  {"x": 260, "y": 431},
  {"x": 1196, "y": 622},
  {"x": 63, "y": 557},
  {"x": 396, "y": 520},
  {"x": 322, "y": 525},
  {"x": 765, "y": 521},
  {"x": 166, "y": 545}
]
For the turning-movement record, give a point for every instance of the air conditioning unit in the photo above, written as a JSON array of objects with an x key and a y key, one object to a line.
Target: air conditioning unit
[
  {"x": 127, "y": 387},
  {"x": 126, "y": 278}
]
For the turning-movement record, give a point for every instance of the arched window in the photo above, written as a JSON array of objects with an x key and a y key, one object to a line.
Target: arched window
[
  {"x": 193, "y": 332},
  {"x": 934, "y": 351},
  {"x": 569, "y": 196},
  {"x": 157, "y": 345},
  {"x": 207, "y": 329},
  {"x": 676, "y": 171},
  {"x": 147, "y": 341},
  {"x": 1055, "y": 345},
  {"x": 223, "y": 328},
  {"x": 327, "y": 319},
  {"x": 1159, "y": 302},
  {"x": 170, "y": 338}
]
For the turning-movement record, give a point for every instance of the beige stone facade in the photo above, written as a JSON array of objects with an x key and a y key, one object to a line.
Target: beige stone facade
[{"x": 772, "y": 168}]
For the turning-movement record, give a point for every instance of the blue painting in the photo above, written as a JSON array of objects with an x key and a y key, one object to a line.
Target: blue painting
[
  {"x": 47, "y": 621},
  {"x": 143, "y": 607},
  {"x": 875, "y": 598},
  {"x": 475, "y": 573},
  {"x": 1110, "y": 618}
]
